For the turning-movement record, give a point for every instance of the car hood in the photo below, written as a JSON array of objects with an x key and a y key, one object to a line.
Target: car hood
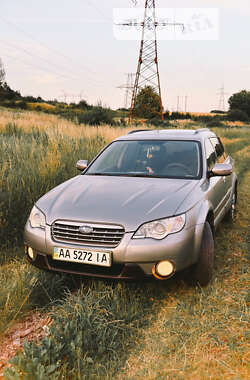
[{"x": 128, "y": 201}]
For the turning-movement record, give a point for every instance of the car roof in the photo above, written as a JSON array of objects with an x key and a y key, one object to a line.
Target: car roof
[{"x": 171, "y": 134}]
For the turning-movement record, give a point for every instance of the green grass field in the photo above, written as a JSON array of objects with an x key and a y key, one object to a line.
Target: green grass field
[{"x": 104, "y": 330}]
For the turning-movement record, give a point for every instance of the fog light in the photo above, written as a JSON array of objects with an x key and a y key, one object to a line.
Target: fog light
[
  {"x": 163, "y": 270},
  {"x": 31, "y": 254}
]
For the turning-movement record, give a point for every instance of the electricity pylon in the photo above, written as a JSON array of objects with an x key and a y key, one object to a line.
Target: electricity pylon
[
  {"x": 222, "y": 95},
  {"x": 129, "y": 89},
  {"x": 148, "y": 69},
  {"x": 186, "y": 103}
]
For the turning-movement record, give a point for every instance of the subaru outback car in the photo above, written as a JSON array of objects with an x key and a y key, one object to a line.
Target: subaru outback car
[{"x": 147, "y": 205}]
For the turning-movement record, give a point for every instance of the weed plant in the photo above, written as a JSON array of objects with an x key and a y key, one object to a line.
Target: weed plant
[
  {"x": 24, "y": 288},
  {"x": 32, "y": 164},
  {"x": 115, "y": 330},
  {"x": 90, "y": 335}
]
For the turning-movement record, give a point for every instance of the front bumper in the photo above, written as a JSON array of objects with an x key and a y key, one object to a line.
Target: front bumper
[
  {"x": 116, "y": 271},
  {"x": 132, "y": 258}
]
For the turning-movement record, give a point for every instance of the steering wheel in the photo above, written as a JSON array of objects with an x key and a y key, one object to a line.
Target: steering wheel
[{"x": 178, "y": 165}]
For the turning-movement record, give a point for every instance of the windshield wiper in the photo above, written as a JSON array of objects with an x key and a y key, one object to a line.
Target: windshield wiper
[
  {"x": 109, "y": 174},
  {"x": 139, "y": 175},
  {"x": 142, "y": 175}
]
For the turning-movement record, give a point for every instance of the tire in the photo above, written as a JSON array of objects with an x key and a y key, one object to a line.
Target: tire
[
  {"x": 231, "y": 214},
  {"x": 201, "y": 273}
]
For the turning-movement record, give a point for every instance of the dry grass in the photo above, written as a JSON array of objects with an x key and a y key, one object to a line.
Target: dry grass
[
  {"x": 203, "y": 333},
  {"x": 177, "y": 332},
  {"x": 54, "y": 126},
  {"x": 234, "y": 123},
  {"x": 41, "y": 106},
  {"x": 202, "y": 114}
]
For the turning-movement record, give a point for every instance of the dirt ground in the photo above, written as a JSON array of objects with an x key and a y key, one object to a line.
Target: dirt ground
[{"x": 34, "y": 327}]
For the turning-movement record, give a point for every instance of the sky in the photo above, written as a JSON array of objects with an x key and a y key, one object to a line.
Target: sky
[{"x": 67, "y": 49}]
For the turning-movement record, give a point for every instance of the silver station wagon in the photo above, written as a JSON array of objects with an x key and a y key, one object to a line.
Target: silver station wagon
[{"x": 147, "y": 205}]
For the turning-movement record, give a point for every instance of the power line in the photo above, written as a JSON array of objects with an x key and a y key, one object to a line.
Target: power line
[
  {"x": 129, "y": 88},
  {"x": 34, "y": 56},
  {"x": 186, "y": 103},
  {"x": 65, "y": 96},
  {"x": 38, "y": 67},
  {"x": 55, "y": 51},
  {"x": 222, "y": 95},
  {"x": 182, "y": 103},
  {"x": 33, "y": 65},
  {"x": 148, "y": 63},
  {"x": 99, "y": 10}
]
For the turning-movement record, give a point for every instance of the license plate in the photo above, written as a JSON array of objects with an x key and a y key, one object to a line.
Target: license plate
[{"x": 82, "y": 256}]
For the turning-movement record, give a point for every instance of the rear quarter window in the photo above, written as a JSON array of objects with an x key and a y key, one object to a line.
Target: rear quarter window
[
  {"x": 219, "y": 149},
  {"x": 210, "y": 154}
]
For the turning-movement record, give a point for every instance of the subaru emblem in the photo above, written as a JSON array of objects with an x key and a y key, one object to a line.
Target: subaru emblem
[{"x": 86, "y": 229}]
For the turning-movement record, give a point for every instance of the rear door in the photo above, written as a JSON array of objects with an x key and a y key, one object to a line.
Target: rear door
[
  {"x": 217, "y": 185},
  {"x": 222, "y": 158}
]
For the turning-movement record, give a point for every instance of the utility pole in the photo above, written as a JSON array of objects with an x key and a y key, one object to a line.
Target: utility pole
[
  {"x": 64, "y": 96},
  {"x": 80, "y": 96},
  {"x": 178, "y": 103},
  {"x": 129, "y": 89},
  {"x": 180, "y": 106},
  {"x": 148, "y": 69},
  {"x": 222, "y": 95},
  {"x": 186, "y": 103}
]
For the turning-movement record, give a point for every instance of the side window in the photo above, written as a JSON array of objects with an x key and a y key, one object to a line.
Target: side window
[
  {"x": 210, "y": 154},
  {"x": 219, "y": 149}
]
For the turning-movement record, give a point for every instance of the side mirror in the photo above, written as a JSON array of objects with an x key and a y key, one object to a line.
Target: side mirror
[
  {"x": 221, "y": 170},
  {"x": 82, "y": 165}
]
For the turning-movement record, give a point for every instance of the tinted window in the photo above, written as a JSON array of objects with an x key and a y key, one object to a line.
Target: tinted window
[
  {"x": 169, "y": 159},
  {"x": 210, "y": 154},
  {"x": 219, "y": 149}
]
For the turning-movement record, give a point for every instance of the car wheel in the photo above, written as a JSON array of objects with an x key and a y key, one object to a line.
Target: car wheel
[
  {"x": 201, "y": 273},
  {"x": 230, "y": 216}
]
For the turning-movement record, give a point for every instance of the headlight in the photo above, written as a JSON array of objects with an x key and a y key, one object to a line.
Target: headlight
[
  {"x": 37, "y": 218},
  {"x": 159, "y": 229}
]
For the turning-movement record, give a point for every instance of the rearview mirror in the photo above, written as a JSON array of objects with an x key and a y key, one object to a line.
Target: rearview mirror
[
  {"x": 221, "y": 170},
  {"x": 82, "y": 165}
]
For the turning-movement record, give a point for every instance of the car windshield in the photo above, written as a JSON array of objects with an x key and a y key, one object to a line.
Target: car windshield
[{"x": 163, "y": 159}]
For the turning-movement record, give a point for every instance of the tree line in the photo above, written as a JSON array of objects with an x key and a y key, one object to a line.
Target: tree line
[{"x": 147, "y": 104}]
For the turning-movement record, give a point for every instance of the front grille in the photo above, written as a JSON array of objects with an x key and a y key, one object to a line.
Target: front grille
[{"x": 102, "y": 235}]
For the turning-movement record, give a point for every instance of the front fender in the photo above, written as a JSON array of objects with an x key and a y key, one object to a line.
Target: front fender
[{"x": 198, "y": 217}]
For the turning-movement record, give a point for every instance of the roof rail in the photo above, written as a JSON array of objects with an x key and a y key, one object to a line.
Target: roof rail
[
  {"x": 201, "y": 130},
  {"x": 138, "y": 130}
]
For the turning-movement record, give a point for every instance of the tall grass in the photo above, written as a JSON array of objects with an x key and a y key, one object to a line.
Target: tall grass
[
  {"x": 33, "y": 162},
  {"x": 203, "y": 333},
  {"x": 114, "y": 330},
  {"x": 37, "y": 152},
  {"x": 24, "y": 288},
  {"x": 90, "y": 335}
]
